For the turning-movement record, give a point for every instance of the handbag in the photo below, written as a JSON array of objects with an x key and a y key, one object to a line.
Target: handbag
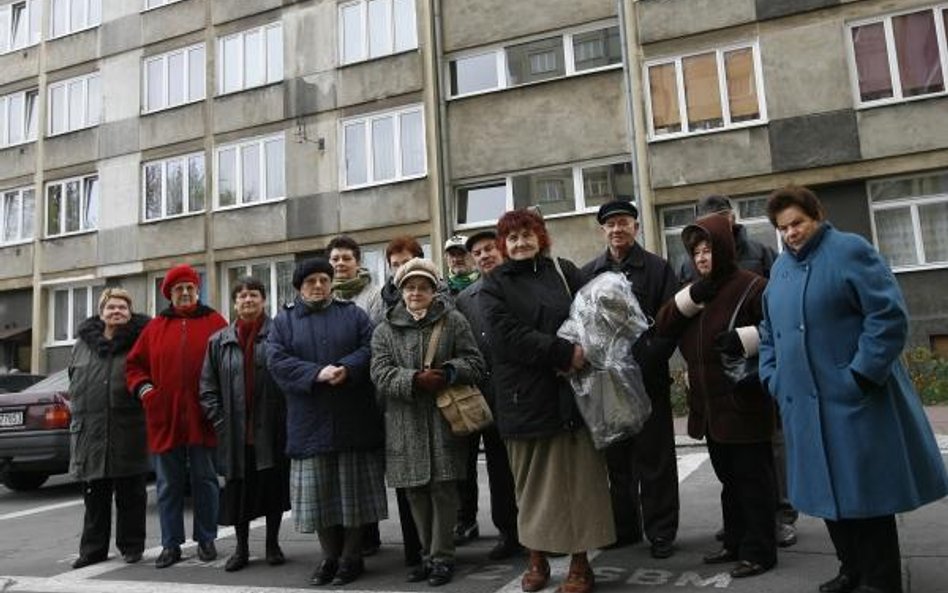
[
  {"x": 738, "y": 368},
  {"x": 462, "y": 406}
]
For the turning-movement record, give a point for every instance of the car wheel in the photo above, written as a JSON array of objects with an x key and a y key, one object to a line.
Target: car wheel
[{"x": 24, "y": 480}]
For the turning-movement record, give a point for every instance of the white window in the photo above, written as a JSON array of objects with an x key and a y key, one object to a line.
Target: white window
[
  {"x": 566, "y": 54},
  {"x": 19, "y": 25},
  {"x": 564, "y": 191},
  {"x": 705, "y": 92},
  {"x": 910, "y": 219},
  {"x": 899, "y": 57},
  {"x": 149, "y": 4},
  {"x": 173, "y": 187},
  {"x": 174, "y": 78},
  {"x": 68, "y": 307},
  {"x": 383, "y": 148},
  {"x": 72, "y": 205},
  {"x": 250, "y": 58},
  {"x": 74, "y": 104},
  {"x": 16, "y": 215},
  {"x": 275, "y": 274},
  {"x": 70, "y": 16},
  {"x": 250, "y": 172},
  {"x": 18, "y": 118},
  {"x": 372, "y": 28}
]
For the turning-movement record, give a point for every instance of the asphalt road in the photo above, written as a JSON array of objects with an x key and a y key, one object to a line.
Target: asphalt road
[{"x": 39, "y": 537}]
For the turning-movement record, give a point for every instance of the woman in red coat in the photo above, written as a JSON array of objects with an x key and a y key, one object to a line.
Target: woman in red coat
[{"x": 163, "y": 370}]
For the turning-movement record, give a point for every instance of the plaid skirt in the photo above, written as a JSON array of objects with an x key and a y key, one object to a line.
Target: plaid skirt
[{"x": 344, "y": 488}]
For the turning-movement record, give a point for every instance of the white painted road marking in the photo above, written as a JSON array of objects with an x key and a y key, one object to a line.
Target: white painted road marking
[{"x": 47, "y": 508}]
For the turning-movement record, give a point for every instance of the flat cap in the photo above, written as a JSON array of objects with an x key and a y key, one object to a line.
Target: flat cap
[{"x": 616, "y": 207}]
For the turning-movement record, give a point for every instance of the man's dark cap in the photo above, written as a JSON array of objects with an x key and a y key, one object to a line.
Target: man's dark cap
[
  {"x": 616, "y": 207},
  {"x": 479, "y": 236}
]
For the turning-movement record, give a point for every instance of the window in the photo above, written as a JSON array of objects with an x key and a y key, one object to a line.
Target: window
[
  {"x": 900, "y": 57},
  {"x": 250, "y": 172},
  {"x": 536, "y": 60},
  {"x": 72, "y": 205},
  {"x": 705, "y": 92},
  {"x": 149, "y": 4},
  {"x": 19, "y": 25},
  {"x": 74, "y": 104},
  {"x": 68, "y": 307},
  {"x": 750, "y": 212},
  {"x": 276, "y": 276},
  {"x": 18, "y": 118},
  {"x": 16, "y": 215},
  {"x": 70, "y": 16},
  {"x": 563, "y": 191},
  {"x": 173, "y": 187},
  {"x": 384, "y": 148},
  {"x": 174, "y": 78},
  {"x": 373, "y": 28},
  {"x": 910, "y": 218},
  {"x": 250, "y": 58}
]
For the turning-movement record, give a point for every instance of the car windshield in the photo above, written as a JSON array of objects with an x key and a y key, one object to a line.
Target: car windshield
[{"x": 58, "y": 381}]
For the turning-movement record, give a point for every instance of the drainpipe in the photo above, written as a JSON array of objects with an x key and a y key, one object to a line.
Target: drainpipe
[
  {"x": 39, "y": 320},
  {"x": 436, "y": 116}
]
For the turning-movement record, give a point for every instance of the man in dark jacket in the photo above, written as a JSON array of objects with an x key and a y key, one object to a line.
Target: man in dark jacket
[
  {"x": 643, "y": 470},
  {"x": 503, "y": 506}
]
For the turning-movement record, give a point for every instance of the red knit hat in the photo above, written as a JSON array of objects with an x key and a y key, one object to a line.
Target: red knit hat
[{"x": 179, "y": 273}]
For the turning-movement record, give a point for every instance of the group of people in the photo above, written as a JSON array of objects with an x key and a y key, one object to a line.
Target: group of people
[{"x": 320, "y": 407}]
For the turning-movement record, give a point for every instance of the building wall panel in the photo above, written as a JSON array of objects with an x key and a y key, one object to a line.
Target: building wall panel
[
  {"x": 724, "y": 155},
  {"x": 814, "y": 140},
  {"x": 249, "y": 226},
  {"x": 179, "y": 236},
  {"x": 248, "y": 108},
  {"x": 73, "y": 49},
  {"x": 668, "y": 19},
  {"x": 174, "y": 19},
  {"x": 903, "y": 129},
  {"x": 68, "y": 253},
  {"x": 16, "y": 260},
  {"x": 172, "y": 126}
]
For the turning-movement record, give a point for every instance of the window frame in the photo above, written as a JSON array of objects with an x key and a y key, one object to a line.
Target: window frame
[
  {"x": 581, "y": 206},
  {"x": 365, "y": 31},
  {"x": 728, "y": 125},
  {"x": 500, "y": 53},
  {"x": 32, "y": 37},
  {"x": 62, "y": 213},
  {"x": 20, "y": 240},
  {"x": 272, "y": 283},
  {"x": 5, "y": 122},
  {"x": 71, "y": 324},
  {"x": 88, "y": 121},
  {"x": 939, "y": 13},
  {"x": 162, "y": 4},
  {"x": 186, "y": 195},
  {"x": 241, "y": 64},
  {"x": 166, "y": 90},
  {"x": 912, "y": 203},
  {"x": 238, "y": 145},
  {"x": 68, "y": 18},
  {"x": 366, "y": 120}
]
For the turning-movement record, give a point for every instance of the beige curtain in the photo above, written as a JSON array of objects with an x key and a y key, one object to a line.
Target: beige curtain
[
  {"x": 702, "y": 94},
  {"x": 663, "y": 88},
  {"x": 741, "y": 85}
]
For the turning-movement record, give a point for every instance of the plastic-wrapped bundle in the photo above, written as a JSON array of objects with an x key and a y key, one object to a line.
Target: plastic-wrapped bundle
[{"x": 606, "y": 320}]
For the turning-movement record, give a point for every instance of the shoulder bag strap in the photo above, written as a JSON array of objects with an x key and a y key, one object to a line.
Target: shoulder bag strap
[
  {"x": 433, "y": 343},
  {"x": 740, "y": 302},
  {"x": 559, "y": 270}
]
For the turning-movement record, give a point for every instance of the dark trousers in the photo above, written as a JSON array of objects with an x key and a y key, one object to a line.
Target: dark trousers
[
  {"x": 643, "y": 477},
  {"x": 748, "y": 498},
  {"x": 411, "y": 543},
  {"x": 130, "y": 502},
  {"x": 785, "y": 511},
  {"x": 868, "y": 551},
  {"x": 503, "y": 504}
]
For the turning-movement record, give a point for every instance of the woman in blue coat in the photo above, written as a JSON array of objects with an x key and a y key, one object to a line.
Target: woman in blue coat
[{"x": 859, "y": 447}]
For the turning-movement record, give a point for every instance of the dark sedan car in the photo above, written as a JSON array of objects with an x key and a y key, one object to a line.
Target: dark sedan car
[{"x": 34, "y": 433}]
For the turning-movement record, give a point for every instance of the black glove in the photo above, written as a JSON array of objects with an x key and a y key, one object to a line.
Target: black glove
[
  {"x": 865, "y": 383},
  {"x": 728, "y": 342},
  {"x": 432, "y": 380},
  {"x": 703, "y": 291}
]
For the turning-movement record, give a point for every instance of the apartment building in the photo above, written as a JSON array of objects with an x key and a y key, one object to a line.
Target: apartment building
[{"x": 238, "y": 136}]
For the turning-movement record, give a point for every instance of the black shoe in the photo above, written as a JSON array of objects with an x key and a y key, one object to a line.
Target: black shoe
[
  {"x": 349, "y": 570},
  {"x": 419, "y": 573},
  {"x": 168, "y": 557},
  {"x": 719, "y": 535},
  {"x": 841, "y": 583},
  {"x": 662, "y": 548},
  {"x": 505, "y": 547},
  {"x": 131, "y": 557},
  {"x": 720, "y": 557},
  {"x": 207, "y": 551},
  {"x": 83, "y": 561},
  {"x": 746, "y": 569},
  {"x": 275, "y": 556},
  {"x": 786, "y": 535},
  {"x": 465, "y": 532},
  {"x": 325, "y": 572},
  {"x": 441, "y": 574},
  {"x": 237, "y": 561}
]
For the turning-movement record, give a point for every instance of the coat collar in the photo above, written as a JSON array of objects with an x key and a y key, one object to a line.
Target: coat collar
[
  {"x": 635, "y": 258},
  {"x": 810, "y": 247},
  {"x": 398, "y": 315},
  {"x": 202, "y": 310},
  {"x": 92, "y": 332}
]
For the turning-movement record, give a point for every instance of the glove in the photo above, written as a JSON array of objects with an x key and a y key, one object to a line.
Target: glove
[
  {"x": 728, "y": 342},
  {"x": 864, "y": 383},
  {"x": 432, "y": 380},
  {"x": 703, "y": 291}
]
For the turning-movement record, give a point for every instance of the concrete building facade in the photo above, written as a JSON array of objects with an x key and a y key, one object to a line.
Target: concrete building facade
[{"x": 239, "y": 136}]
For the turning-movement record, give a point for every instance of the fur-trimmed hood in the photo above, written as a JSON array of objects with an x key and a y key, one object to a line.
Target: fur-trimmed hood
[{"x": 92, "y": 332}]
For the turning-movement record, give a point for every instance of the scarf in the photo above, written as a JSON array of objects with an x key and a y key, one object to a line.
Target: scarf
[
  {"x": 417, "y": 315},
  {"x": 316, "y": 306},
  {"x": 247, "y": 337},
  {"x": 461, "y": 281},
  {"x": 348, "y": 289}
]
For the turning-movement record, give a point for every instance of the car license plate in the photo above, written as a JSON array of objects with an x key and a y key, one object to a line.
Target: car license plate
[{"x": 8, "y": 419}]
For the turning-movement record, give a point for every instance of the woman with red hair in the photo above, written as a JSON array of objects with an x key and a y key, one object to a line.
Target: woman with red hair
[{"x": 559, "y": 477}]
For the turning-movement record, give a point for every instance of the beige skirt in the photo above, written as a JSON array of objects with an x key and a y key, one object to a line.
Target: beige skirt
[{"x": 562, "y": 492}]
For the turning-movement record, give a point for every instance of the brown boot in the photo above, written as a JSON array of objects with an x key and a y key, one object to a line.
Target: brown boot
[
  {"x": 580, "y": 578},
  {"x": 538, "y": 573}
]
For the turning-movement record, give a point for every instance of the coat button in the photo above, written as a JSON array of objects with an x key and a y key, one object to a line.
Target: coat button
[{"x": 801, "y": 327}]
